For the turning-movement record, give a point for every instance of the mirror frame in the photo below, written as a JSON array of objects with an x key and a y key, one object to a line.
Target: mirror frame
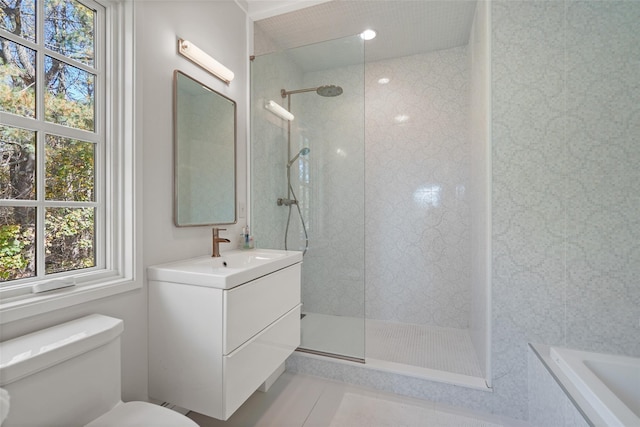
[{"x": 176, "y": 73}]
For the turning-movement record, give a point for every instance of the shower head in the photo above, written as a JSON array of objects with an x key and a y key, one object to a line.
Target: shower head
[
  {"x": 329, "y": 90},
  {"x": 326, "y": 90},
  {"x": 302, "y": 152}
]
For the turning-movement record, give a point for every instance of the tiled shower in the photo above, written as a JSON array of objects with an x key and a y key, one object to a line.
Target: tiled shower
[
  {"x": 564, "y": 195},
  {"x": 385, "y": 194}
]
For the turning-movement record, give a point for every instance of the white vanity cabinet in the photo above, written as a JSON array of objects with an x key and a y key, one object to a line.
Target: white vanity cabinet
[{"x": 211, "y": 348}]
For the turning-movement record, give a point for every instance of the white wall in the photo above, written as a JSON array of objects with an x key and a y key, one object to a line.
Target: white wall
[{"x": 220, "y": 29}]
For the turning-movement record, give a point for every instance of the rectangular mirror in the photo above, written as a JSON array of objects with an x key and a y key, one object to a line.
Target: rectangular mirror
[{"x": 204, "y": 154}]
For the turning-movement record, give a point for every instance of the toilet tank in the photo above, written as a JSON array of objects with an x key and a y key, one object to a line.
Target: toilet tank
[{"x": 66, "y": 375}]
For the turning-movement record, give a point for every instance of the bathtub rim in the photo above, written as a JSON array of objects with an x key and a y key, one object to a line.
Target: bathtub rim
[
  {"x": 616, "y": 412},
  {"x": 543, "y": 352}
]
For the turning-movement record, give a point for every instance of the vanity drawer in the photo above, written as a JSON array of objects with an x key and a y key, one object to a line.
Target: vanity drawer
[
  {"x": 250, "y": 308},
  {"x": 251, "y": 364}
]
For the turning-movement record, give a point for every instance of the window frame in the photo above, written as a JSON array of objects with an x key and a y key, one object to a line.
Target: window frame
[{"x": 115, "y": 270}]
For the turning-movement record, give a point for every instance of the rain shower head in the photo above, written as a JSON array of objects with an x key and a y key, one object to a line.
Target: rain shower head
[
  {"x": 329, "y": 90},
  {"x": 326, "y": 90},
  {"x": 302, "y": 152}
]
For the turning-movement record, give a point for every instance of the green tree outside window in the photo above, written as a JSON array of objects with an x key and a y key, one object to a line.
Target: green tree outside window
[{"x": 67, "y": 87}]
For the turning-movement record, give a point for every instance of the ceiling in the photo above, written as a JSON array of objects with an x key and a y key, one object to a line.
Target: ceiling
[{"x": 404, "y": 27}]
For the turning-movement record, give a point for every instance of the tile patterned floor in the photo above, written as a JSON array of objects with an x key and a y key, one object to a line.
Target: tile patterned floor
[{"x": 304, "y": 401}]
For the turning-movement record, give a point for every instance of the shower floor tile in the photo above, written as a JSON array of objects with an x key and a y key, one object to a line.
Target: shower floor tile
[
  {"x": 389, "y": 343},
  {"x": 442, "y": 349}
]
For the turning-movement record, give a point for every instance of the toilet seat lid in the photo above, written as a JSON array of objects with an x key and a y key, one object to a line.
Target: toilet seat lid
[{"x": 141, "y": 414}]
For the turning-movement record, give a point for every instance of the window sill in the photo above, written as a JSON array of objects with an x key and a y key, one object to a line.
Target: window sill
[{"x": 12, "y": 309}]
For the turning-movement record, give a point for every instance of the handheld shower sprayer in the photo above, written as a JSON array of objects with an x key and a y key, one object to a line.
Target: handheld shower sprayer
[
  {"x": 302, "y": 152},
  {"x": 291, "y": 200}
]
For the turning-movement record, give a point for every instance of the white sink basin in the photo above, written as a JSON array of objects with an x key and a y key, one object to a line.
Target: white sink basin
[{"x": 231, "y": 269}]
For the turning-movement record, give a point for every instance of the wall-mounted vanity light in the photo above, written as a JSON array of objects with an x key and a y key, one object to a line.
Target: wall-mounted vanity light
[
  {"x": 279, "y": 111},
  {"x": 195, "y": 54}
]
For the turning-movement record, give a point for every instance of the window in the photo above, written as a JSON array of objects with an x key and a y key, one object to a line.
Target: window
[{"x": 64, "y": 136}]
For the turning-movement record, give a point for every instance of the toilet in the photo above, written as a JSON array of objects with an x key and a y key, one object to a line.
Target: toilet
[{"x": 69, "y": 375}]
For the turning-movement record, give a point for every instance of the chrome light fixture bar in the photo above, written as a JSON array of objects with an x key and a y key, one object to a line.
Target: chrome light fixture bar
[
  {"x": 199, "y": 57},
  {"x": 279, "y": 111}
]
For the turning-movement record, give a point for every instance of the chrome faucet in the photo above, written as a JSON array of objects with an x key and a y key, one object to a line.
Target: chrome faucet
[{"x": 216, "y": 241}]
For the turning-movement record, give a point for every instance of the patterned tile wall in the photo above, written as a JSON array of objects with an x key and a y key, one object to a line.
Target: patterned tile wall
[
  {"x": 413, "y": 193},
  {"x": 333, "y": 200},
  {"x": 417, "y": 183},
  {"x": 528, "y": 190},
  {"x": 269, "y": 156},
  {"x": 565, "y": 199},
  {"x": 566, "y": 233},
  {"x": 602, "y": 130},
  {"x": 548, "y": 403},
  {"x": 328, "y": 182},
  {"x": 415, "y": 199}
]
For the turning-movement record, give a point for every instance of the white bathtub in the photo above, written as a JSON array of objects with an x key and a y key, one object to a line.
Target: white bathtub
[{"x": 609, "y": 383}]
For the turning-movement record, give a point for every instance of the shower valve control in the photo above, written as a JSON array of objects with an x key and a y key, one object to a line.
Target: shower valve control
[{"x": 286, "y": 202}]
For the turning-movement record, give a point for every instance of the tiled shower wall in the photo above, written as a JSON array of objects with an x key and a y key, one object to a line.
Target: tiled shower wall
[
  {"x": 417, "y": 189},
  {"x": 602, "y": 129},
  {"x": 333, "y": 200},
  {"x": 384, "y": 189},
  {"x": 328, "y": 182},
  {"x": 269, "y": 148},
  {"x": 397, "y": 199},
  {"x": 565, "y": 193},
  {"x": 566, "y": 200}
]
